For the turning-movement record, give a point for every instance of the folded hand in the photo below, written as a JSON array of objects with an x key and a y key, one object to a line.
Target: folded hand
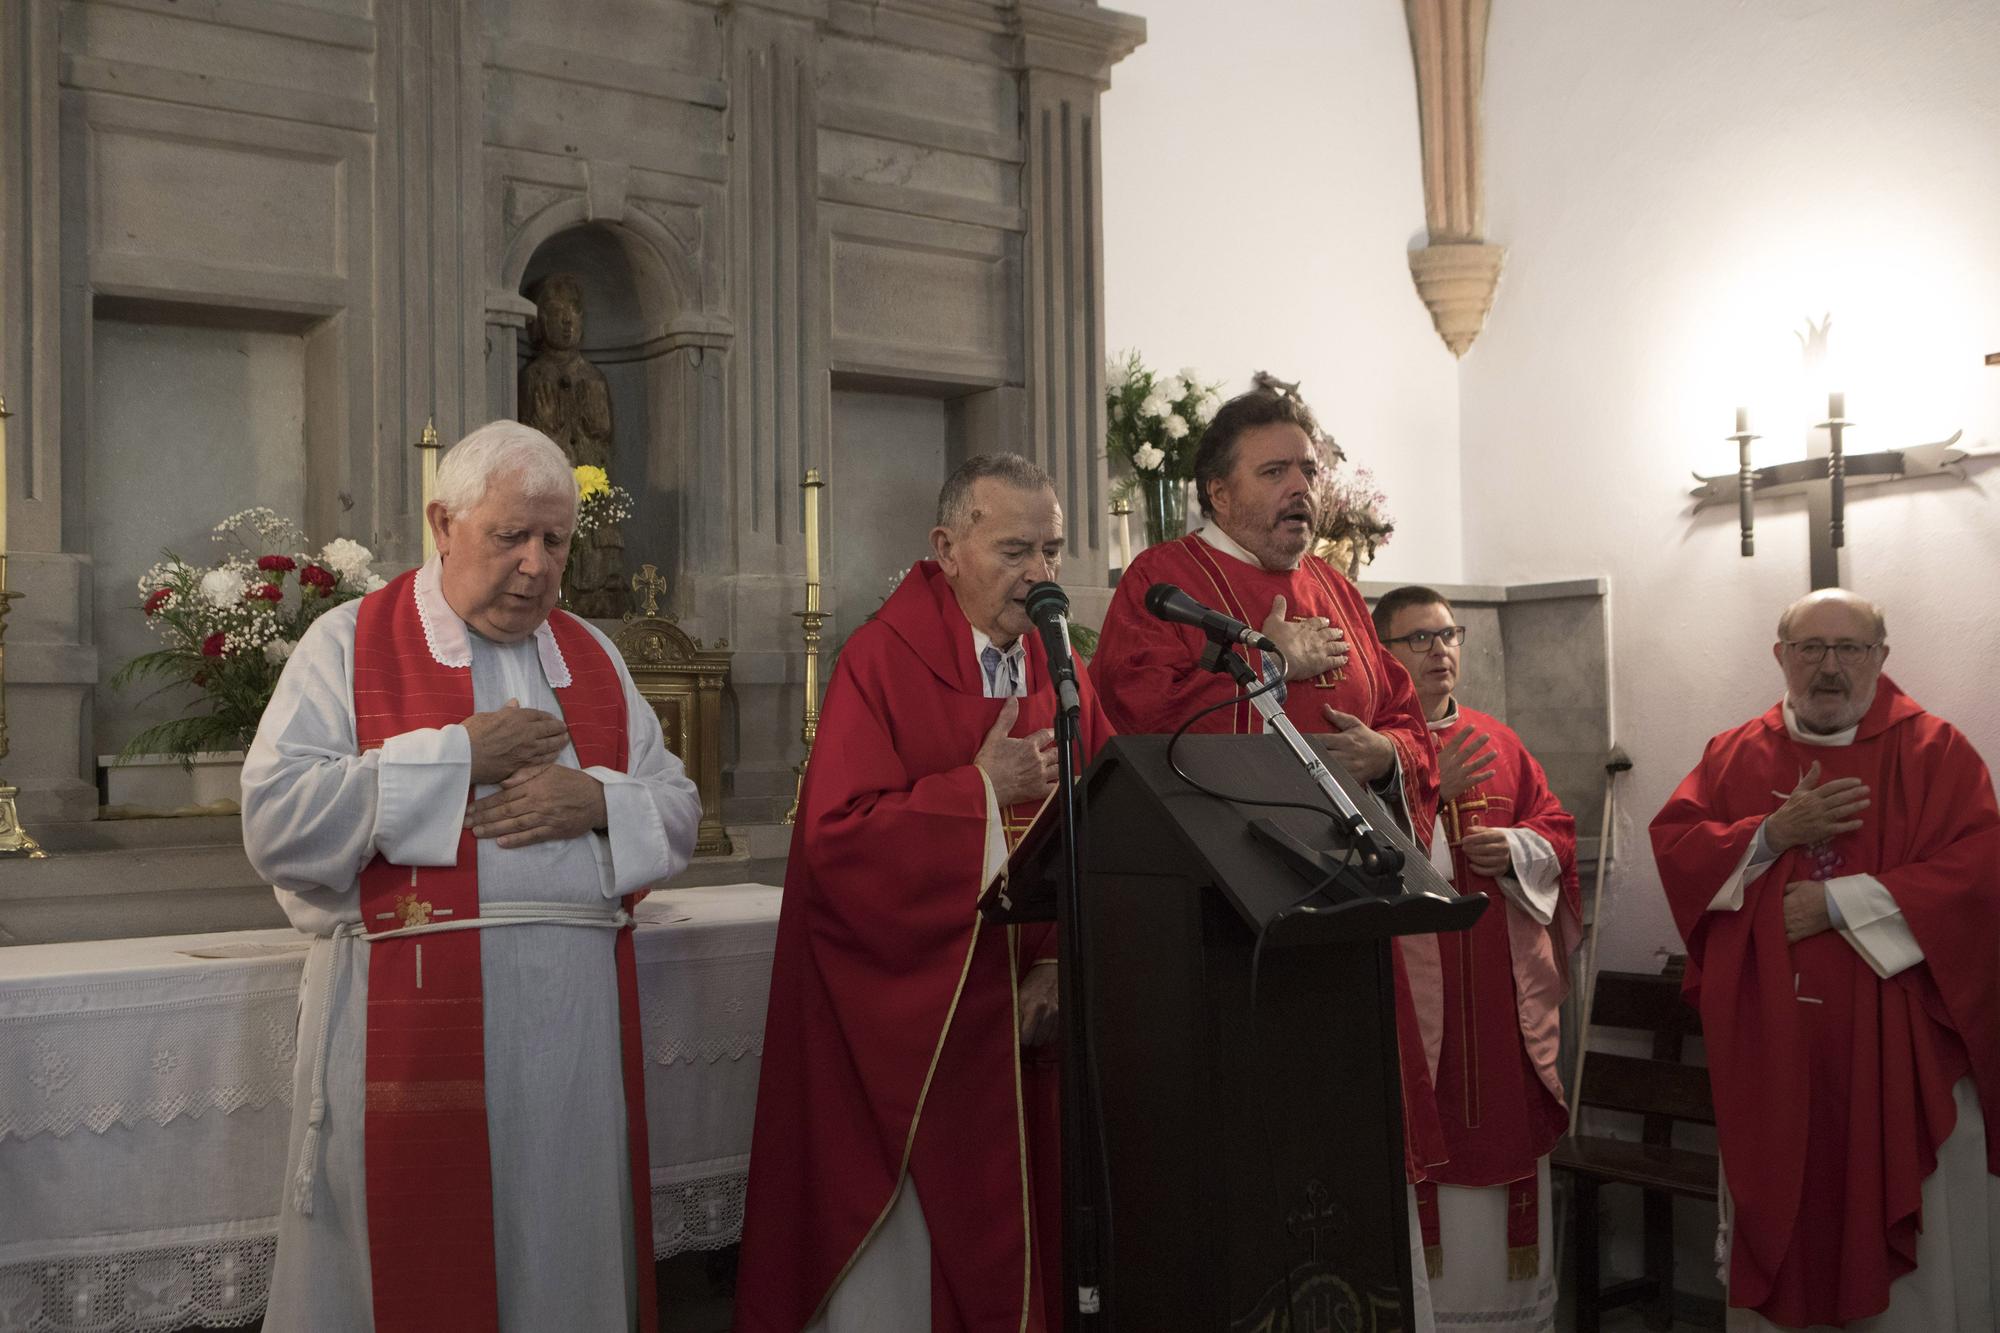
[{"x": 545, "y": 803}]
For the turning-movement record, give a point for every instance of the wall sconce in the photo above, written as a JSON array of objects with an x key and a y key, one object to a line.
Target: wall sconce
[{"x": 1822, "y": 476}]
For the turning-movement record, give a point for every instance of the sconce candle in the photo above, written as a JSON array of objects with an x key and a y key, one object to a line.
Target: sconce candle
[{"x": 1742, "y": 420}]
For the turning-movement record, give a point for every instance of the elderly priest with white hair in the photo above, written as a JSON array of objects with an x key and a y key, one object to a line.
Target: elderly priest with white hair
[
  {"x": 1834, "y": 866},
  {"x": 459, "y": 795}
]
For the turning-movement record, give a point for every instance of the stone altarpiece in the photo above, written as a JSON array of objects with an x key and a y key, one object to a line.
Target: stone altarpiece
[{"x": 247, "y": 249}]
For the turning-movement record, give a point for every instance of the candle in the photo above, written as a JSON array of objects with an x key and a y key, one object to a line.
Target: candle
[
  {"x": 3, "y": 480},
  {"x": 1742, "y": 421},
  {"x": 427, "y": 445},
  {"x": 1836, "y": 406},
  {"x": 1122, "y": 511},
  {"x": 812, "y": 485}
]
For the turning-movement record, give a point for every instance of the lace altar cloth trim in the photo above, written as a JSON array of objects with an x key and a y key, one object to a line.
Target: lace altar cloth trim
[
  {"x": 225, "y": 1283},
  {"x": 151, "y": 1059},
  {"x": 221, "y": 1284},
  {"x": 704, "y": 1009}
]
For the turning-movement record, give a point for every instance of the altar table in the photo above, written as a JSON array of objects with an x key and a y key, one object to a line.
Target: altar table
[{"x": 145, "y": 1098}]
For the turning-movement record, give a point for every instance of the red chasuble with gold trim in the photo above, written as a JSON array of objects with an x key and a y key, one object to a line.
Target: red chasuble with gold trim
[
  {"x": 1833, "y": 1086},
  {"x": 1147, "y": 671},
  {"x": 430, "y": 1190},
  {"x": 1499, "y": 995},
  {"x": 892, "y": 1042}
]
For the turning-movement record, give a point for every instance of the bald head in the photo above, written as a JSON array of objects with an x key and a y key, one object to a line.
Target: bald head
[
  {"x": 1831, "y": 646},
  {"x": 1868, "y": 616}
]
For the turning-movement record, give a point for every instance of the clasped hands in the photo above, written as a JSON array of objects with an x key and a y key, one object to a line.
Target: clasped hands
[{"x": 539, "y": 799}]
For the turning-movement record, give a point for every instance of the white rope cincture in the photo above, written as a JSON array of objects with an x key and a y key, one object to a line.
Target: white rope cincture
[{"x": 492, "y": 915}]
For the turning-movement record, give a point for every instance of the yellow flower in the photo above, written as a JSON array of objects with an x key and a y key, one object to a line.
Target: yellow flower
[{"x": 590, "y": 480}]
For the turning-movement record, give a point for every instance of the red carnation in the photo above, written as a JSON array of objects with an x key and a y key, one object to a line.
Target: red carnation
[
  {"x": 212, "y": 645},
  {"x": 276, "y": 564},
  {"x": 156, "y": 599},
  {"x": 270, "y": 592},
  {"x": 317, "y": 576}
]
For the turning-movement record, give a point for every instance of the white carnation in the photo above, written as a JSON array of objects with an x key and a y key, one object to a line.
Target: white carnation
[
  {"x": 374, "y": 582},
  {"x": 277, "y": 650},
  {"x": 1190, "y": 375},
  {"x": 1175, "y": 389},
  {"x": 222, "y": 588},
  {"x": 349, "y": 559},
  {"x": 1148, "y": 457},
  {"x": 1157, "y": 404},
  {"x": 1210, "y": 400},
  {"x": 1176, "y": 427},
  {"x": 1117, "y": 373}
]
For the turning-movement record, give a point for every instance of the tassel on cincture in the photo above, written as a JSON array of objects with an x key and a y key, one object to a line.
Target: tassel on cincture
[
  {"x": 1434, "y": 1260},
  {"x": 1523, "y": 1262},
  {"x": 306, "y": 1177}
]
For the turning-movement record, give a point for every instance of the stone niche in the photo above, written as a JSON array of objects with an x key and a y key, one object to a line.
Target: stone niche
[{"x": 250, "y": 250}]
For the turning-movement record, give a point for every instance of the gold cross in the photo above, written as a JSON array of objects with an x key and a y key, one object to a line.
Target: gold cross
[
  {"x": 1526, "y": 1205},
  {"x": 1454, "y": 817},
  {"x": 412, "y": 912},
  {"x": 647, "y": 585}
]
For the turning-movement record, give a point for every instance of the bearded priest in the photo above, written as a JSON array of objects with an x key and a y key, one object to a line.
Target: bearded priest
[
  {"x": 905, "y": 1169},
  {"x": 1490, "y": 1015},
  {"x": 460, "y": 795},
  {"x": 1834, "y": 867},
  {"x": 1255, "y": 474}
]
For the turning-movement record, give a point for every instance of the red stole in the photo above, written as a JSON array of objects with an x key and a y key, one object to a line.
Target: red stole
[
  {"x": 1833, "y": 1087},
  {"x": 1498, "y": 997},
  {"x": 1148, "y": 673},
  {"x": 891, "y": 1043},
  {"x": 428, "y": 1172}
]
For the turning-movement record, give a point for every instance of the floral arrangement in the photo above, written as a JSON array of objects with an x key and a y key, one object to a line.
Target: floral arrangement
[
  {"x": 1155, "y": 422},
  {"x": 227, "y": 629},
  {"x": 1350, "y": 518},
  {"x": 599, "y": 504}
]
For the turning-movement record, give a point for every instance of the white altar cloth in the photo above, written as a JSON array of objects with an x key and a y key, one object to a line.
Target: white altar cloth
[{"x": 145, "y": 1090}]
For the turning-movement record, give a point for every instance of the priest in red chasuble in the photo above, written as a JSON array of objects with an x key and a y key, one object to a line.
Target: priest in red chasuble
[
  {"x": 460, "y": 794},
  {"x": 1834, "y": 866},
  {"x": 905, "y": 1167},
  {"x": 1255, "y": 471},
  {"x": 1490, "y": 1011}
]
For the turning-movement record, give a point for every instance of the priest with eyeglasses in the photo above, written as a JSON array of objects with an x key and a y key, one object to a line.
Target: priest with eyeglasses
[
  {"x": 1834, "y": 867},
  {"x": 1489, "y": 999}
]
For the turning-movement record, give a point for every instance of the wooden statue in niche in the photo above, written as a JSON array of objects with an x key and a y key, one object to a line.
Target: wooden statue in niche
[{"x": 566, "y": 398}]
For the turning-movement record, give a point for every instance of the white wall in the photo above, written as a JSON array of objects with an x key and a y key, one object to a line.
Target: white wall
[
  {"x": 1679, "y": 186},
  {"x": 1262, "y": 185}
]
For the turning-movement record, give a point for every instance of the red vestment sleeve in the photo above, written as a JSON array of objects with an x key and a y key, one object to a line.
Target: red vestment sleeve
[{"x": 1950, "y": 898}]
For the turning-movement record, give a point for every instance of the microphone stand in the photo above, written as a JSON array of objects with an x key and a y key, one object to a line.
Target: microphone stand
[
  {"x": 1081, "y": 1152},
  {"x": 1378, "y": 856}
]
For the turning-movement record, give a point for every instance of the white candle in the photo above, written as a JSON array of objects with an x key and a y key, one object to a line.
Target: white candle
[
  {"x": 1836, "y": 405},
  {"x": 1742, "y": 421},
  {"x": 812, "y": 485},
  {"x": 1124, "y": 512},
  {"x": 3, "y": 476}
]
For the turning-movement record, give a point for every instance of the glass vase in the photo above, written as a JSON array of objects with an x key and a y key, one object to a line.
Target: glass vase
[{"x": 1166, "y": 507}]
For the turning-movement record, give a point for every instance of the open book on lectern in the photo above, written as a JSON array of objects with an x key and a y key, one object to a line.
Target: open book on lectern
[{"x": 1266, "y": 856}]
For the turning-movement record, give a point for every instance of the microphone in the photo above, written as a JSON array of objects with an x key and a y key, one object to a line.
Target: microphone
[
  {"x": 1167, "y": 602},
  {"x": 1048, "y": 608}
]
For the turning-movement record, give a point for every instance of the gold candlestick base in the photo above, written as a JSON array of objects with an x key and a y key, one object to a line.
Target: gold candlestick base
[{"x": 14, "y": 840}]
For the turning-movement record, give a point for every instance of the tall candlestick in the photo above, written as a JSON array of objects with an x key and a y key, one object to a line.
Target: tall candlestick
[
  {"x": 4, "y": 414},
  {"x": 812, "y": 484},
  {"x": 427, "y": 445},
  {"x": 1122, "y": 511}
]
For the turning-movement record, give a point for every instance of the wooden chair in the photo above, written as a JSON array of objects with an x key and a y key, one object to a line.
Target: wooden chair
[{"x": 1664, "y": 1091}]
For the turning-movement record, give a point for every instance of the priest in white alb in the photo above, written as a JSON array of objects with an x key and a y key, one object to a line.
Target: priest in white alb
[{"x": 460, "y": 795}]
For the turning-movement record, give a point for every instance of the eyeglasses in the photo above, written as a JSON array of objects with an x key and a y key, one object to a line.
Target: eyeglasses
[
  {"x": 1813, "y": 652},
  {"x": 1450, "y": 636}
]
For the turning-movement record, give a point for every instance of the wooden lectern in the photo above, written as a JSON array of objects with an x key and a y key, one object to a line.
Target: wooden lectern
[{"x": 1253, "y": 1140}]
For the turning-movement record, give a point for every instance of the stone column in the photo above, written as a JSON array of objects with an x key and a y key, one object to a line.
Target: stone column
[
  {"x": 779, "y": 397},
  {"x": 433, "y": 350},
  {"x": 50, "y": 664},
  {"x": 1067, "y": 50}
]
